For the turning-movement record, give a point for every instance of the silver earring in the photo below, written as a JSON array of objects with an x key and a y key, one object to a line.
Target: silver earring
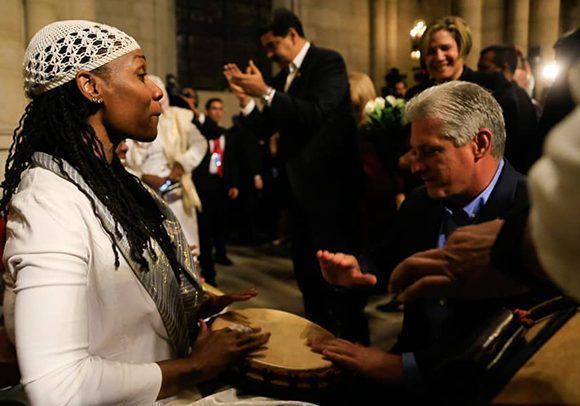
[{"x": 96, "y": 100}]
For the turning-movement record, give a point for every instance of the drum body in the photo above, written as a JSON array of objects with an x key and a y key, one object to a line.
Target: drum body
[
  {"x": 286, "y": 361},
  {"x": 552, "y": 375}
]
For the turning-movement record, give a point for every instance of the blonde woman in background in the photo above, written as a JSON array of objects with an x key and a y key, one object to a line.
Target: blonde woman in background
[
  {"x": 362, "y": 91},
  {"x": 379, "y": 153}
]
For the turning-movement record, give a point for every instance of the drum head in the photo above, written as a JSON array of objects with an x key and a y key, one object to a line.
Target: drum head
[{"x": 287, "y": 347}]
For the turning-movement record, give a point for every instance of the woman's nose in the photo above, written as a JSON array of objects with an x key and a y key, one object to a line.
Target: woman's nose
[{"x": 157, "y": 93}]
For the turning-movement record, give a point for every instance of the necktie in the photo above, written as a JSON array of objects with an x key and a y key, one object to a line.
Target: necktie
[
  {"x": 291, "y": 74},
  {"x": 459, "y": 218}
]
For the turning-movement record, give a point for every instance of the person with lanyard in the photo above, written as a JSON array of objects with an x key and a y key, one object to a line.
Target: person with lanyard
[
  {"x": 107, "y": 299},
  {"x": 216, "y": 179}
]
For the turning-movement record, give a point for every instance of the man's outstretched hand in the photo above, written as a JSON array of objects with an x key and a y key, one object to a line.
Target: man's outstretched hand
[{"x": 343, "y": 270}]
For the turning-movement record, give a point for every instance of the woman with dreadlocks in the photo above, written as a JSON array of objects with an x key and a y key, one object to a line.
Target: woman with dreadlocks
[{"x": 107, "y": 298}]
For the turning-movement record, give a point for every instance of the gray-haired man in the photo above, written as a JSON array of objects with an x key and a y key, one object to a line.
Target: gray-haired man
[{"x": 457, "y": 142}]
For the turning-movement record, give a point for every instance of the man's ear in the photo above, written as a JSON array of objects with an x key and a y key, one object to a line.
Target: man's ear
[
  {"x": 87, "y": 84},
  {"x": 293, "y": 34},
  {"x": 482, "y": 142}
]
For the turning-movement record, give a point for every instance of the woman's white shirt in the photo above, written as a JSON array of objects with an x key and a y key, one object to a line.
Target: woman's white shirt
[{"x": 86, "y": 333}]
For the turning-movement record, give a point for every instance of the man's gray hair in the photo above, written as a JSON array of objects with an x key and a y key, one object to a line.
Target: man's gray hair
[{"x": 463, "y": 109}]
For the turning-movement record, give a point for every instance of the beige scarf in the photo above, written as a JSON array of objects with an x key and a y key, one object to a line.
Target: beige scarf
[{"x": 173, "y": 132}]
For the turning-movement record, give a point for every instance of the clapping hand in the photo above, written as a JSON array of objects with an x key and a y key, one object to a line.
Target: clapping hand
[
  {"x": 251, "y": 82},
  {"x": 231, "y": 70}
]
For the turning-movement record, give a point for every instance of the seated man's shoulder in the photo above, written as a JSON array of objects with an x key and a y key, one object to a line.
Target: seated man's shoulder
[{"x": 418, "y": 200}]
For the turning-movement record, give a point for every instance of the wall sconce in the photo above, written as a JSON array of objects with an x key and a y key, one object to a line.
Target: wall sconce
[{"x": 416, "y": 33}]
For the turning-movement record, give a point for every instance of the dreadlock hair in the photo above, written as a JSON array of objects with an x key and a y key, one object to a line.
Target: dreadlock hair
[{"x": 55, "y": 122}]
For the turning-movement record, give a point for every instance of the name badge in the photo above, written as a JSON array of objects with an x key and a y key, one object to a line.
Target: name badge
[{"x": 215, "y": 162}]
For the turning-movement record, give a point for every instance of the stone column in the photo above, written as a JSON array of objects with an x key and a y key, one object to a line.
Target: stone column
[
  {"x": 493, "y": 18},
  {"x": 78, "y": 10},
  {"x": 165, "y": 46},
  {"x": 544, "y": 25},
  {"x": 470, "y": 11},
  {"x": 378, "y": 40},
  {"x": 12, "y": 44},
  {"x": 544, "y": 31},
  {"x": 393, "y": 37},
  {"x": 384, "y": 39},
  {"x": 38, "y": 14},
  {"x": 517, "y": 22}
]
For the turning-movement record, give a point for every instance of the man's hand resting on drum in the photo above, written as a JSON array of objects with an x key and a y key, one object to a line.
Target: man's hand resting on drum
[
  {"x": 343, "y": 270},
  {"x": 368, "y": 361}
]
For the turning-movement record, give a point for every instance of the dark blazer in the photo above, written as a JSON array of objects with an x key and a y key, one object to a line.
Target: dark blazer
[
  {"x": 522, "y": 130},
  {"x": 417, "y": 229},
  {"x": 418, "y": 223},
  {"x": 317, "y": 137}
]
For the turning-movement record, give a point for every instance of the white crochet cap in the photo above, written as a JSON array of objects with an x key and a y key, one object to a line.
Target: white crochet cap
[{"x": 58, "y": 51}]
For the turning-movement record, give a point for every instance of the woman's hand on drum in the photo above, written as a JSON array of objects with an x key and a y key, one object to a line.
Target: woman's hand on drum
[
  {"x": 217, "y": 303},
  {"x": 211, "y": 354},
  {"x": 216, "y": 350},
  {"x": 368, "y": 361},
  {"x": 343, "y": 270}
]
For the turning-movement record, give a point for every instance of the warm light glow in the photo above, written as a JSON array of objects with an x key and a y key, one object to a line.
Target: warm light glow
[
  {"x": 550, "y": 71},
  {"x": 418, "y": 29},
  {"x": 416, "y": 54}
]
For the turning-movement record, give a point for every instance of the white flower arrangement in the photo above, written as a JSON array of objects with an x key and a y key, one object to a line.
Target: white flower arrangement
[{"x": 386, "y": 112}]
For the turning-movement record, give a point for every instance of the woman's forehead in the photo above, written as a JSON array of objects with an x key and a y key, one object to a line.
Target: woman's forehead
[{"x": 134, "y": 59}]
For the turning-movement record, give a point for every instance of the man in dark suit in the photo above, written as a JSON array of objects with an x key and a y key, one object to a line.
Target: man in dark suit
[
  {"x": 457, "y": 142},
  {"x": 504, "y": 59},
  {"x": 216, "y": 180},
  {"x": 308, "y": 104}
]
